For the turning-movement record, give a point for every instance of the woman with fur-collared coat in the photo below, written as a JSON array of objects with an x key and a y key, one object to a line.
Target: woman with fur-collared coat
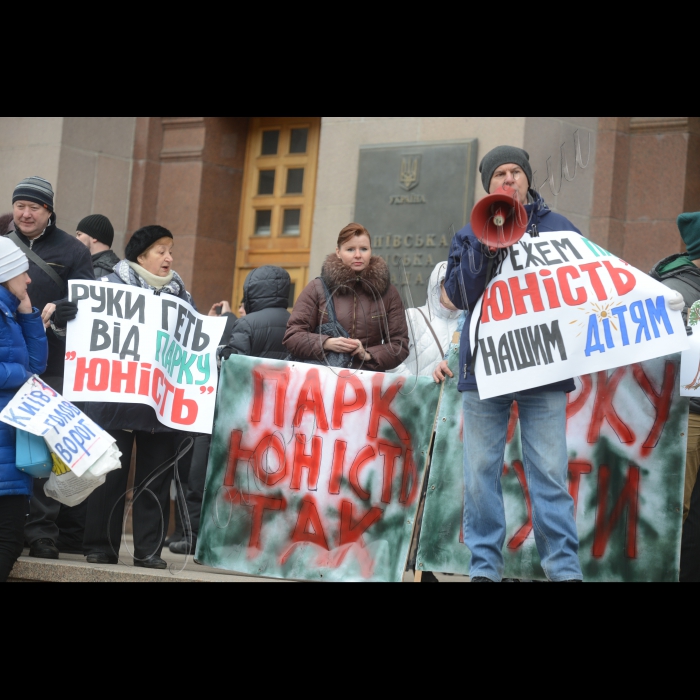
[{"x": 367, "y": 305}]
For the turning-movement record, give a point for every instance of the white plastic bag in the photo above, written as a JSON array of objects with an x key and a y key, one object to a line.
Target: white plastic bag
[
  {"x": 109, "y": 462},
  {"x": 71, "y": 490}
]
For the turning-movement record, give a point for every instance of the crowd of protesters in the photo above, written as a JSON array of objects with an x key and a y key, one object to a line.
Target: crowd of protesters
[{"x": 351, "y": 317}]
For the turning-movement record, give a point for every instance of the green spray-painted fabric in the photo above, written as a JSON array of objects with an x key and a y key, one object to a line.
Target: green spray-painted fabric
[
  {"x": 273, "y": 516},
  {"x": 627, "y": 445}
]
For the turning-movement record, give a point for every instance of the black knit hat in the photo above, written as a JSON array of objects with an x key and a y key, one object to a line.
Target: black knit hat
[
  {"x": 34, "y": 189},
  {"x": 98, "y": 227},
  {"x": 143, "y": 239},
  {"x": 500, "y": 156}
]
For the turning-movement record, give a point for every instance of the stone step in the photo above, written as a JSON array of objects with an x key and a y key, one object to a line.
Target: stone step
[{"x": 74, "y": 569}]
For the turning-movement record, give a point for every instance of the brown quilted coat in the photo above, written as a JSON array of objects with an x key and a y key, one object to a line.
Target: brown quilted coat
[{"x": 368, "y": 306}]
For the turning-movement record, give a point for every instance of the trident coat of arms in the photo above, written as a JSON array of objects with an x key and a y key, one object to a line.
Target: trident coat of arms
[{"x": 410, "y": 172}]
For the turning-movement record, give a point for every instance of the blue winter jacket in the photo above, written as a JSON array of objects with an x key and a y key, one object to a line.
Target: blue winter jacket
[
  {"x": 24, "y": 351},
  {"x": 466, "y": 277}
]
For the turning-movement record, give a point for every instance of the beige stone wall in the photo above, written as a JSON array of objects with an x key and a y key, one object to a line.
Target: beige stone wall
[
  {"x": 88, "y": 160},
  {"x": 94, "y": 175},
  {"x": 544, "y": 137},
  {"x": 28, "y": 146},
  {"x": 341, "y": 138}
]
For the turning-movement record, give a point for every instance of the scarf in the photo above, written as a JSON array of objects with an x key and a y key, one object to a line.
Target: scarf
[{"x": 136, "y": 276}]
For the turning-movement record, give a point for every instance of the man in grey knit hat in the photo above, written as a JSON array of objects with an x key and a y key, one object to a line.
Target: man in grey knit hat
[
  {"x": 509, "y": 166},
  {"x": 54, "y": 258},
  {"x": 542, "y": 411}
]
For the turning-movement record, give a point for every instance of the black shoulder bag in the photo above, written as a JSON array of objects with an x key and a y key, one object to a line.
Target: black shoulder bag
[
  {"x": 332, "y": 329},
  {"x": 53, "y": 275}
]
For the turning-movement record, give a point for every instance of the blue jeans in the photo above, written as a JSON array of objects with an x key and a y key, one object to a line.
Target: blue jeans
[{"x": 546, "y": 462}]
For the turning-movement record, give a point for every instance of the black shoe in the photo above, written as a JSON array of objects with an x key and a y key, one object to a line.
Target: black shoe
[
  {"x": 183, "y": 548},
  {"x": 102, "y": 559},
  {"x": 44, "y": 549},
  {"x": 177, "y": 537},
  {"x": 480, "y": 579},
  {"x": 155, "y": 564},
  {"x": 429, "y": 577}
]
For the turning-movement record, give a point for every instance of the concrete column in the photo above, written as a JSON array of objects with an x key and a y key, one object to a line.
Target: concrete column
[
  {"x": 552, "y": 142},
  {"x": 94, "y": 175},
  {"x": 28, "y": 146}
]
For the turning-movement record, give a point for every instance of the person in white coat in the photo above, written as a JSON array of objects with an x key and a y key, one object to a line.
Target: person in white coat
[{"x": 431, "y": 328}]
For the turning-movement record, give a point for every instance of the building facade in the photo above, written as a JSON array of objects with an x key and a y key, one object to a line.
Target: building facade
[{"x": 241, "y": 192}]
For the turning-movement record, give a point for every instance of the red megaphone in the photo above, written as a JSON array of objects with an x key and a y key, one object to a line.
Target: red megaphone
[{"x": 500, "y": 220}]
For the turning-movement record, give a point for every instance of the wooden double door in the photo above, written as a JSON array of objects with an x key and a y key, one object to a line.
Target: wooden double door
[{"x": 279, "y": 190}]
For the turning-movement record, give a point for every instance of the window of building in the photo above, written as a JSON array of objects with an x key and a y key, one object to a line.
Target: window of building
[{"x": 279, "y": 189}]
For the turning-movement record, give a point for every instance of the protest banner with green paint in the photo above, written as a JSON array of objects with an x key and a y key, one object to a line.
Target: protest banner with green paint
[
  {"x": 563, "y": 306},
  {"x": 627, "y": 438},
  {"x": 315, "y": 475},
  {"x": 129, "y": 345}
]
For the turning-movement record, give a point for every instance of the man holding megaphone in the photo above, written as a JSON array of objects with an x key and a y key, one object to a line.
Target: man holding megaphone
[{"x": 513, "y": 210}]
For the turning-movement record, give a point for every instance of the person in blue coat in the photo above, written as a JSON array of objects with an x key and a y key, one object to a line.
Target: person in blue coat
[
  {"x": 24, "y": 351},
  {"x": 542, "y": 411}
]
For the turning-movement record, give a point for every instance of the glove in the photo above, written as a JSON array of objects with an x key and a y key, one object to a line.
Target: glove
[
  {"x": 677, "y": 302},
  {"x": 65, "y": 311}
]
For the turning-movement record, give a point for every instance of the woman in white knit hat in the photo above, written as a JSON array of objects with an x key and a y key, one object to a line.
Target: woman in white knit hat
[{"x": 23, "y": 352}]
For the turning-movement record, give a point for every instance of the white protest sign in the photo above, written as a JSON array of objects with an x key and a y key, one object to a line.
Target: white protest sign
[
  {"x": 690, "y": 360},
  {"x": 561, "y": 307},
  {"x": 39, "y": 410},
  {"x": 129, "y": 345}
]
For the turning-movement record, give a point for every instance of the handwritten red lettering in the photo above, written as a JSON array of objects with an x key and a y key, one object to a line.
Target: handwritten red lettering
[
  {"x": 624, "y": 280},
  {"x": 309, "y": 527},
  {"x": 532, "y": 290},
  {"x": 340, "y": 406},
  {"x": 604, "y": 410},
  {"x": 591, "y": 269},
  {"x": 311, "y": 399},
  {"x": 366, "y": 455},
  {"x": 577, "y": 469},
  {"x": 381, "y": 408},
  {"x": 310, "y": 462},
  {"x": 661, "y": 402},
  {"x": 280, "y": 378},
  {"x": 351, "y": 531},
  {"x": 390, "y": 453},
  {"x": 567, "y": 293}
]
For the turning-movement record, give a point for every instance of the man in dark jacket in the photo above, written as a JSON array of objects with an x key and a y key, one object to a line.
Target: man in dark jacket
[
  {"x": 542, "y": 411},
  {"x": 36, "y": 233},
  {"x": 96, "y": 233},
  {"x": 258, "y": 334},
  {"x": 682, "y": 274},
  {"x": 261, "y": 331}
]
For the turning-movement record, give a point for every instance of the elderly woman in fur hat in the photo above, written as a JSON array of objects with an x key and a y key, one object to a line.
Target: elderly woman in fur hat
[{"x": 367, "y": 306}]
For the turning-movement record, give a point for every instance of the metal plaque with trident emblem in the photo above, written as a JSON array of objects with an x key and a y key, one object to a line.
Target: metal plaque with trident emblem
[
  {"x": 410, "y": 172},
  {"x": 411, "y": 196}
]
